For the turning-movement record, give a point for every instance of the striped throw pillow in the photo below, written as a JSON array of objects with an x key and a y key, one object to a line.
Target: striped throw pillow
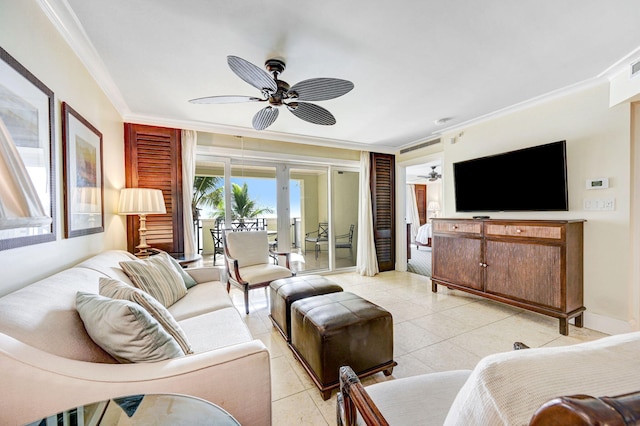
[
  {"x": 116, "y": 289},
  {"x": 157, "y": 277}
]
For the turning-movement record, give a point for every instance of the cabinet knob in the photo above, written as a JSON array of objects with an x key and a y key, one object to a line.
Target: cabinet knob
[
  {"x": 518, "y": 231},
  {"x": 484, "y": 265},
  {"x": 455, "y": 226}
]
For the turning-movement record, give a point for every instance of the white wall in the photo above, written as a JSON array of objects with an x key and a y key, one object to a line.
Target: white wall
[
  {"x": 598, "y": 145},
  {"x": 28, "y": 36}
]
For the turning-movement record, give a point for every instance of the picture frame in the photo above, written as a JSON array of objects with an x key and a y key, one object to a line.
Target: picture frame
[
  {"x": 83, "y": 175},
  {"x": 27, "y": 157}
]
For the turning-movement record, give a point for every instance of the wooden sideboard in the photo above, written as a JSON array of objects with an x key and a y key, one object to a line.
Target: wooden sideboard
[{"x": 532, "y": 264}]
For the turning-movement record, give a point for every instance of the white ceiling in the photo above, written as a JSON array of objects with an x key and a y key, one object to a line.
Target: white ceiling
[{"x": 412, "y": 61}]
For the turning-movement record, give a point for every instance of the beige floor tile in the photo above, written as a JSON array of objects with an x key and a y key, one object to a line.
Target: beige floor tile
[
  {"x": 297, "y": 409},
  {"x": 446, "y": 356},
  {"x": 442, "y": 325},
  {"x": 284, "y": 381},
  {"x": 408, "y": 337},
  {"x": 441, "y": 331}
]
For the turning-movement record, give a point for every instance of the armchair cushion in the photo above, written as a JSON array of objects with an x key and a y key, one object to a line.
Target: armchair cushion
[
  {"x": 413, "y": 400},
  {"x": 248, "y": 247},
  {"x": 118, "y": 290},
  {"x": 158, "y": 277},
  {"x": 125, "y": 329},
  {"x": 264, "y": 273}
]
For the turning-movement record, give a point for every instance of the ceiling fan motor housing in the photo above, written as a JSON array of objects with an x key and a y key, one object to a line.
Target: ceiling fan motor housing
[{"x": 280, "y": 95}]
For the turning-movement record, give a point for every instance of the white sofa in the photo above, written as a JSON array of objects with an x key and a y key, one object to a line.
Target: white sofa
[
  {"x": 505, "y": 388},
  {"x": 48, "y": 362}
]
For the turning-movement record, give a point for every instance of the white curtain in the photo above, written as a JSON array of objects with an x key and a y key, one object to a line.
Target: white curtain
[
  {"x": 189, "y": 142},
  {"x": 412, "y": 211},
  {"x": 366, "y": 259}
]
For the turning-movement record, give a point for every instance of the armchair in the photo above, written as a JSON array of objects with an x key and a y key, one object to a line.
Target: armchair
[
  {"x": 247, "y": 261},
  {"x": 518, "y": 387},
  {"x": 317, "y": 237}
]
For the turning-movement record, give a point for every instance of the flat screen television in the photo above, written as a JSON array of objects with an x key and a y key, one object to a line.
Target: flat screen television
[{"x": 530, "y": 179}]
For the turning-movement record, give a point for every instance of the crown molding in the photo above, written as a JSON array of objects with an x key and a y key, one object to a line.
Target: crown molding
[
  {"x": 66, "y": 22},
  {"x": 255, "y": 134}
]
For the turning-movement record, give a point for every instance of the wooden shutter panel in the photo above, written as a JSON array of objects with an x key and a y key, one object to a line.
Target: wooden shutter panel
[
  {"x": 383, "y": 202},
  {"x": 153, "y": 159}
]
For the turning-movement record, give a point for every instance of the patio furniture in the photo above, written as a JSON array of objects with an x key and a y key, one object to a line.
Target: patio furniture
[{"x": 317, "y": 237}]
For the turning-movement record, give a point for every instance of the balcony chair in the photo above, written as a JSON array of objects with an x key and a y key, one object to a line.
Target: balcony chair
[
  {"x": 247, "y": 262},
  {"x": 216, "y": 234},
  {"x": 346, "y": 240},
  {"x": 317, "y": 237}
]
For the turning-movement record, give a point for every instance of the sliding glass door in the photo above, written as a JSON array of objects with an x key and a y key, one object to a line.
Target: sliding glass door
[{"x": 309, "y": 211}]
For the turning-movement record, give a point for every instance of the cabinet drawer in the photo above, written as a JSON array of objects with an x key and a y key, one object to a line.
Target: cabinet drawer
[
  {"x": 530, "y": 231},
  {"x": 458, "y": 227}
]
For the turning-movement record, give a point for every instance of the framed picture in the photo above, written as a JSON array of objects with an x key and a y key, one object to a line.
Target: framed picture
[
  {"x": 27, "y": 157},
  {"x": 83, "y": 183}
]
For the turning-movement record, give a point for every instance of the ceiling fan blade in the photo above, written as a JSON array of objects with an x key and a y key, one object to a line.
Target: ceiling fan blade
[
  {"x": 257, "y": 77},
  {"x": 265, "y": 118},
  {"x": 229, "y": 99},
  {"x": 312, "y": 113},
  {"x": 321, "y": 89}
]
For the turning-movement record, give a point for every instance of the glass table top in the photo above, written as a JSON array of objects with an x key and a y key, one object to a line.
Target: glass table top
[{"x": 150, "y": 409}]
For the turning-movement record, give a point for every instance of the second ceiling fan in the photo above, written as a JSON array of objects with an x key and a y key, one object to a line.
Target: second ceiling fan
[{"x": 278, "y": 93}]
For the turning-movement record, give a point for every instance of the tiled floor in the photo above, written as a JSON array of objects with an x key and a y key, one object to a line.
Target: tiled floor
[{"x": 432, "y": 332}]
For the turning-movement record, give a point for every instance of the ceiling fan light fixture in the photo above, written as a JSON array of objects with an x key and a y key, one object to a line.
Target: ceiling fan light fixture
[{"x": 278, "y": 92}]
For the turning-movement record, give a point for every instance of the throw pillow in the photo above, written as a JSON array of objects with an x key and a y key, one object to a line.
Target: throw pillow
[
  {"x": 125, "y": 329},
  {"x": 188, "y": 279},
  {"x": 158, "y": 277},
  {"x": 118, "y": 290}
]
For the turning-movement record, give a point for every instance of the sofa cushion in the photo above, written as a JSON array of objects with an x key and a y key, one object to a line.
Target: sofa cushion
[
  {"x": 202, "y": 298},
  {"x": 115, "y": 289},
  {"x": 507, "y": 388},
  {"x": 217, "y": 329},
  {"x": 125, "y": 329},
  {"x": 158, "y": 277}
]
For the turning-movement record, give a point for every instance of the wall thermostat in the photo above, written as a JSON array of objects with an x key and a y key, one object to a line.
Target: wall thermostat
[{"x": 597, "y": 183}]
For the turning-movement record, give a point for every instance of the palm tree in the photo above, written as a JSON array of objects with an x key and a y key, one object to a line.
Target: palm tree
[
  {"x": 207, "y": 192},
  {"x": 243, "y": 206}
]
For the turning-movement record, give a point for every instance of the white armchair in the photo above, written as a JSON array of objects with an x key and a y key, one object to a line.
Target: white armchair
[{"x": 248, "y": 261}]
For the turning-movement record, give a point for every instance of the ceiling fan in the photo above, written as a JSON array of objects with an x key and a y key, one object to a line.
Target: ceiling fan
[
  {"x": 433, "y": 176},
  {"x": 278, "y": 93}
]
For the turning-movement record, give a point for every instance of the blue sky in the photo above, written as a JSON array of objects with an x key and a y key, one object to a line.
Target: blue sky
[{"x": 263, "y": 191}]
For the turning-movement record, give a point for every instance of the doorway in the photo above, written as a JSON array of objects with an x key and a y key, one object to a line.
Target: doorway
[{"x": 423, "y": 203}]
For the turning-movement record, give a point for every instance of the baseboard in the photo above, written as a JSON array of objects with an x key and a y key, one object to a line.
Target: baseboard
[{"x": 605, "y": 324}]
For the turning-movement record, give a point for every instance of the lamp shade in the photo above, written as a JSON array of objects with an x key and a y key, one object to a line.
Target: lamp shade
[
  {"x": 141, "y": 201},
  {"x": 433, "y": 206}
]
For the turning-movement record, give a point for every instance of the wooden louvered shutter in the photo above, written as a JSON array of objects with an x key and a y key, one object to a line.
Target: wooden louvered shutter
[
  {"x": 153, "y": 159},
  {"x": 383, "y": 203}
]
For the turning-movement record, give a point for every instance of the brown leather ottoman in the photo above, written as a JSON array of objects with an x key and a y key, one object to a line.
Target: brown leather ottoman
[
  {"x": 285, "y": 291},
  {"x": 338, "y": 329}
]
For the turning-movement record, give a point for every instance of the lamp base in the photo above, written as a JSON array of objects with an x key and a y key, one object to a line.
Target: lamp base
[{"x": 143, "y": 247}]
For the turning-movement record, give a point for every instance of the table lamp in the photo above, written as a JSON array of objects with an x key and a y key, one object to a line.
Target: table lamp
[{"x": 141, "y": 201}]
